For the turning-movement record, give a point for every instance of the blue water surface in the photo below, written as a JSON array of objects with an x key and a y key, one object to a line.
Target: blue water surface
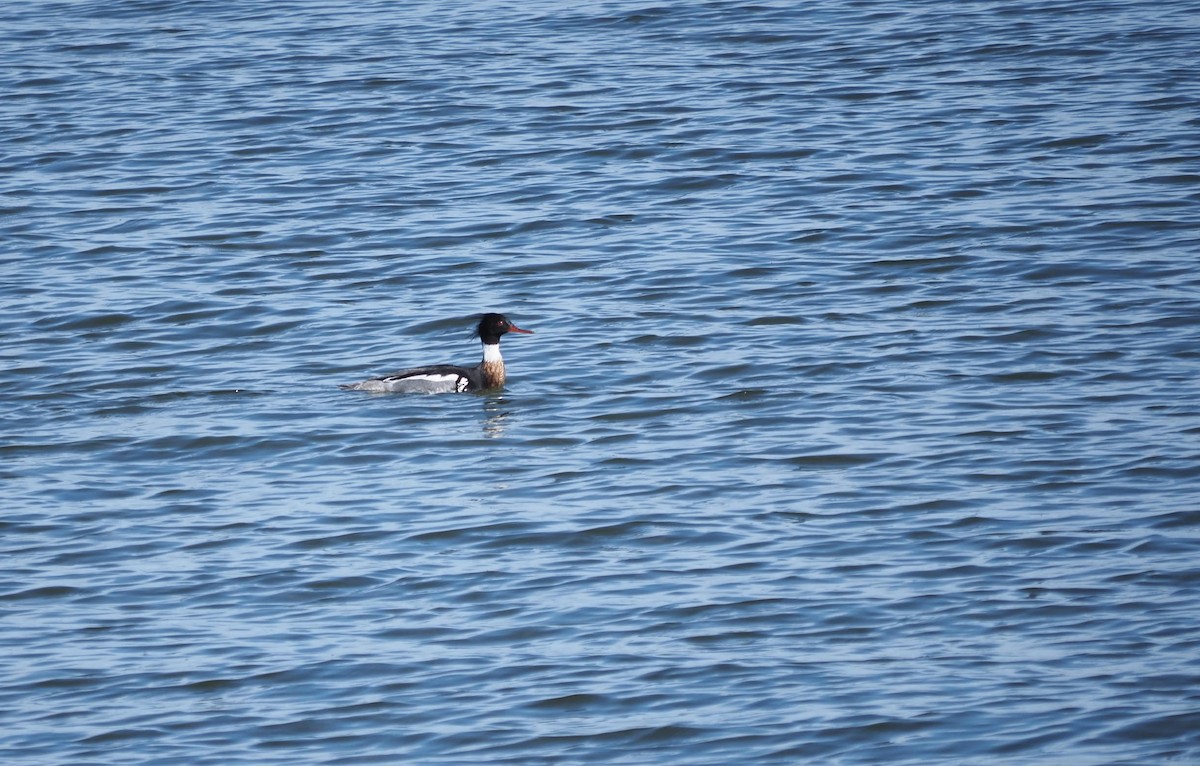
[{"x": 860, "y": 424}]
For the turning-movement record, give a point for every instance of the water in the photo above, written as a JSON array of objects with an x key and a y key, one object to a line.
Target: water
[{"x": 861, "y": 423}]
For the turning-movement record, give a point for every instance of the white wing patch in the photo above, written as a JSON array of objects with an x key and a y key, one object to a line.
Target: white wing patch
[
  {"x": 442, "y": 378},
  {"x": 424, "y": 383}
]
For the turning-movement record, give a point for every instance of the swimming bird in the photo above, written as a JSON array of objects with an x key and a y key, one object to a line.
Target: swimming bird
[{"x": 450, "y": 378}]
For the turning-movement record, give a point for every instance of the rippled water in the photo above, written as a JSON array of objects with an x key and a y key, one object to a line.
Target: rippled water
[{"x": 861, "y": 424}]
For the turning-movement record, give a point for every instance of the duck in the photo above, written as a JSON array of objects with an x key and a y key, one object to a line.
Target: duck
[{"x": 449, "y": 378}]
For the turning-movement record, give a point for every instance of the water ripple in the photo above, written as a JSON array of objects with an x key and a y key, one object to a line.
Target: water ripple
[{"x": 859, "y": 423}]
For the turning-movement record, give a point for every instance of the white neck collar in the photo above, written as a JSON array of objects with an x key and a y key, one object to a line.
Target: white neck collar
[{"x": 491, "y": 352}]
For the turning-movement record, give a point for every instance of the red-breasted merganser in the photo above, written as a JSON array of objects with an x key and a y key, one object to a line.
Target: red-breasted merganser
[{"x": 449, "y": 378}]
